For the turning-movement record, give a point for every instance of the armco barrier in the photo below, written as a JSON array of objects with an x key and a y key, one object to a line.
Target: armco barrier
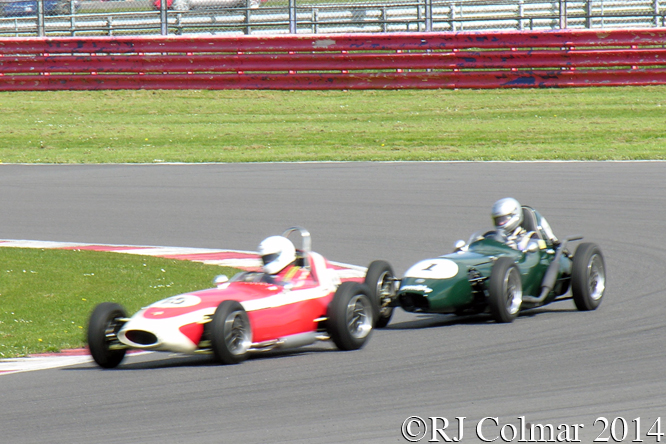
[{"x": 567, "y": 58}]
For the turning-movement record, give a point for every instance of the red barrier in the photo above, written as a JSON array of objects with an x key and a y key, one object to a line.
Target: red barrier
[{"x": 562, "y": 58}]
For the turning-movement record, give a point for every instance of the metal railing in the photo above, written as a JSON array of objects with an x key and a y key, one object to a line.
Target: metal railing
[
  {"x": 510, "y": 59},
  {"x": 151, "y": 17}
]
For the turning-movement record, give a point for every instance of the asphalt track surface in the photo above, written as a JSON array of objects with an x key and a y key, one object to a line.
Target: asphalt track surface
[{"x": 553, "y": 365}]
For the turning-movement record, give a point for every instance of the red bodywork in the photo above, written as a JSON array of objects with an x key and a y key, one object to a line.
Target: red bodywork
[
  {"x": 292, "y": 303},
  {"x": 267, "y": 323}
]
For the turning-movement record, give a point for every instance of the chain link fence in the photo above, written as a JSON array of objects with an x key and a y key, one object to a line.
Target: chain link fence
[{"x": 23, "y": 18}]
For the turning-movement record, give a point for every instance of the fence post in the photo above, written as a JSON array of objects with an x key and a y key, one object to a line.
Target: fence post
[
  {"x": 655, "y": 5},
  {"x": 40, "y": 18},
  {"x": 164, "y": 30},
  {"x": 588, "y": 14},
  {"x": 563, "y": 14},
  {"x": 452, "y": 7},
  {"x": 72, "y": 18},
  {"x": 521, "y": 15},
  {"x": 248, "y": 18},
  {"x": 292, "y": 16},
  {"x": 428, "y": 15}
]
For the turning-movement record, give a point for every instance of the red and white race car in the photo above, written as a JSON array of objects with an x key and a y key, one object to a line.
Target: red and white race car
[{"x": 252, "y": 312}]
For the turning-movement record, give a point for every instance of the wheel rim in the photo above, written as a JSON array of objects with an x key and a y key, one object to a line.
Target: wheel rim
[
  {"x": 597, "y": 277},
  {"x": 237, "y": 333},
  {"x": 359, "y": 317},
  {"x": 513, "y": 291},
  {"x": 111, "y": 332},
  {"x": 384, "y": 293}
]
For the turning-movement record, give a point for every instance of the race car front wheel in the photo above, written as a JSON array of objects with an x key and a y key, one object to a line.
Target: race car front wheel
[
  {"x": 231, "y": 334},
  {"x": 588, "y": 277},
  {"x": 380, "y": 280},
  {"x": 103, "y": 328},
  {"x": 350, "y": 316},
  {"x": 505, "y": 290}
]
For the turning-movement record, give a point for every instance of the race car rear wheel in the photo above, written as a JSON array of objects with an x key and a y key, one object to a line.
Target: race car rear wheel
[
  {"x": 350, "y": 316},
  {"x": 379, "y": 279},
  {"x": 231, "y": 334},
  {"x": 103, "y": 328},
  {"x": 505, "y": 290},
  {"x": 588, "y": 277}
]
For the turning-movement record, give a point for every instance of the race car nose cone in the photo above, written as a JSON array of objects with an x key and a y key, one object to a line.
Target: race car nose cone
[
  {"x": 433, "y": 269},
  {"x": 141, "y": 337}
]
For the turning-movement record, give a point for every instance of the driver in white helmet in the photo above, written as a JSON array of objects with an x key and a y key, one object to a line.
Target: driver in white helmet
[
  {"x": 507, "y": 216},
  {"x": 278, "y": 255}
]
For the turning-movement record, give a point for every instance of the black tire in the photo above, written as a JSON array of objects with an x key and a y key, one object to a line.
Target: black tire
[
  {"x": 103, "y": 328},
  {"x": 588, "y": 277},
  {"x": 231, "y": 333},
  {"x": 379, "y": 279},
  {"x": 350, "y": 316},
  {"x": 505, "y": 290}
]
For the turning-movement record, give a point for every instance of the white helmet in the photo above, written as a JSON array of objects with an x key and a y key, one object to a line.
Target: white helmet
[
  {"x": 507, "y": 214},
  {"x": 276, "y": 253}
]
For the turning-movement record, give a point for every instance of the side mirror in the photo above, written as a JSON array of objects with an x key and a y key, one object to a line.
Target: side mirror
[
  {"x": 459, "y": 245},
  {"x": 221, "y": 279}
]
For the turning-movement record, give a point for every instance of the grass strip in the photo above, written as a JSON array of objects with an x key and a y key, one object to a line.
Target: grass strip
[
  {"x": 622, "y": 123},
  {"x": 46, "y": 296}
]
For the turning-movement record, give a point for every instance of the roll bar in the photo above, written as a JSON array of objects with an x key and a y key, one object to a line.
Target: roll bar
[{"x": 306, "y": 241}]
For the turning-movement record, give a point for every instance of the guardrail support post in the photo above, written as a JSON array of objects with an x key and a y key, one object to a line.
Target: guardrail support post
[
  {"x": 292, "y": 16},
  {"x": 563, "y": 14}
]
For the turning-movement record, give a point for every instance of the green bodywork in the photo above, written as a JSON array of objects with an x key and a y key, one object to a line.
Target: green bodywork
[{"x": 467, "y": 289}]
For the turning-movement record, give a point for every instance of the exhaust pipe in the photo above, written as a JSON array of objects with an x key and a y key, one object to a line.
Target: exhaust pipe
[{"x": 550, "y": 277}]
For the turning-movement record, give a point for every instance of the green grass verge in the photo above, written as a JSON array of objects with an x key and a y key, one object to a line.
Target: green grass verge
[
  {"x": 258, "y": 126},
  {"x": 46, "y": 296}
]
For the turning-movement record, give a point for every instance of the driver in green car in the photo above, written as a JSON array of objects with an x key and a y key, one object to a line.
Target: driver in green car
[{"x": 517, "y": 225}]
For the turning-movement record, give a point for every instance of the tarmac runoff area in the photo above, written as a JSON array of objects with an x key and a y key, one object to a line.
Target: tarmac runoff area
[{"x": 244, "y": 260}]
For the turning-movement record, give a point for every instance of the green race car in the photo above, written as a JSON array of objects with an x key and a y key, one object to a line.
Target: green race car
[{"x": 487, "y": 275}]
